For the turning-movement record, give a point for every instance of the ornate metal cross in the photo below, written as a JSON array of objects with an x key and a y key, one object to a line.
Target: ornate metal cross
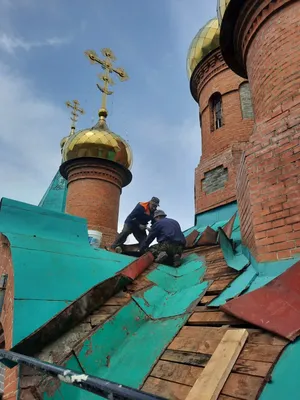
[
  {"x": 107, "y": 66},
  {"x": 74, "y": 114}
]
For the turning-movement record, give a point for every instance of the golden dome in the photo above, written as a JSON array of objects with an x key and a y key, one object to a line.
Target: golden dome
[
  {"x": 206, "y": 40},
  {"x": 98, "y": 142},
  {"x": 221, "y": 7}
]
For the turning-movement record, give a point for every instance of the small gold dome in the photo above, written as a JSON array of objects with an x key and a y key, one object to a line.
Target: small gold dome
[
  {"x": 221, "y": 7},
  {"x": 206, "y": 40},
  {"x": 98, "y": 142}
]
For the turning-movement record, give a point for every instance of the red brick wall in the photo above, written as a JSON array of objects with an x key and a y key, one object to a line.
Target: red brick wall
[
  {"x": 270, "y": 212},
  {"x": 94, "y": 191},
  {"x": 214, "y": 76},
  {"x": 11, "y": 375}
]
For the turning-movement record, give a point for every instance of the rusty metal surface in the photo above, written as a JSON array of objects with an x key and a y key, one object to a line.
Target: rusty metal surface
[
  {"x": 133, "y": 270},
  {"x": 208, "y": 237},
  {"x": 274, "y": 307},
  {"x": 227, "y": 228},
  {"x": 190, "y": 239}
]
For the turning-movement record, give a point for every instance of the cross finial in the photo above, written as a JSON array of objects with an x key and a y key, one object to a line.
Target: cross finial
[
  {"x": 74, "y": 114},
  {"x": 107, "y": 66}
]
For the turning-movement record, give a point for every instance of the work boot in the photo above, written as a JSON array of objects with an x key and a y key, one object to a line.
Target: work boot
[
  {"x": 177, "y": 261},
  {"x": 118, "y": 249},
  {"x": 162, "y": 256}
]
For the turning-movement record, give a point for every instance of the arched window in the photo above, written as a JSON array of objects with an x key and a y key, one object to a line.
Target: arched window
[
  {"x": 246, "y": 101},
  {"x": 216, "y": 111}
]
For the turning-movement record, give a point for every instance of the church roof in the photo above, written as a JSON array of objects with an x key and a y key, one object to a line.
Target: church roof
[
  {"x": 55, "y": 196},
  {"x": 174, "y": 315}
]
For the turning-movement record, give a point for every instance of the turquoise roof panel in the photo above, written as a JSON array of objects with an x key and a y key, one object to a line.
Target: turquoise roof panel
[
  {"x": 53, "y": 262},
  {"x": 55, "y": 196},
  {"x": 285, "y": 382}
]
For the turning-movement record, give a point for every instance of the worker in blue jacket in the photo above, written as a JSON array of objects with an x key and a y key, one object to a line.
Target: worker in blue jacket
[
  {"x": 136, "y": 223},
  {"x": 170, "y": 239}
]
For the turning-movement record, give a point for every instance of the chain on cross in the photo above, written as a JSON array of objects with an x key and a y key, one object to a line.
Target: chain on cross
[
  {"x": 108, "y": 67},
  {"x": 74, "y": 105}
]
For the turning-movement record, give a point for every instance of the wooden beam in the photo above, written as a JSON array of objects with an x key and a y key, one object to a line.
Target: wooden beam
[{"x": 211, "y": 381}]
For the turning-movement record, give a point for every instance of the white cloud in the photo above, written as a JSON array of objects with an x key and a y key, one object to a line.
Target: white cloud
[
  {"x": 31, "y": 128},
  {"x": 10, "y": 43}
]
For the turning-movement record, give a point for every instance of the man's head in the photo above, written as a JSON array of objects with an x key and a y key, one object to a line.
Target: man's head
[
  {"x": 159, "y": 214},
  {"x": 154, "y": 203}
]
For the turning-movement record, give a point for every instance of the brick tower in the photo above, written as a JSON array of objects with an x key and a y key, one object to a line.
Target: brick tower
[
  {"x": 96, "y": 165},
  {"x": 259, "y": 41},
  {"x": 226, "y": 119}
]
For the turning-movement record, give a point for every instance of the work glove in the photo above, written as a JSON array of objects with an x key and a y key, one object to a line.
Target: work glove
[{"x": 142, "y": 227}]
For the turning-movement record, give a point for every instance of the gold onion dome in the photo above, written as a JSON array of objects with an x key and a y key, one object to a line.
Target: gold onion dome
[
  {"x": 221, "y": 7},
  {"x": 98, "y": 142},
  {"x": 206, "y": 40}
]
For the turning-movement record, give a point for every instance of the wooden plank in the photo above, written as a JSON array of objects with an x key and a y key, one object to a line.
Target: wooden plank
[
  {"x": 205, "y": 309},
  {"x": 218, "y": 286},
  {"x": 107, "y": 310},
  {"x": 242, "y": 386},
  {"x": 248, "y": 367},
  {"x": 118, "y": 301},
  {"x": 163, "y": 388},
  {"x": 220, "y": 270},
  {"x": 260, "y": 352},
  {"x": 213, "y": 318},
  {"x": 198, "y": 339},
  {"x": 98, "y": 319},
  {"x": 177, "y": 373},
  {"x": 260, "y": 336},
  {"x": 255, "y": 335},
  {"x": 206, "y": 339},
  {"x": 207, "y": 299},
  {"x": 212, "y": 379},
  {"x": 185, "y": 357}
]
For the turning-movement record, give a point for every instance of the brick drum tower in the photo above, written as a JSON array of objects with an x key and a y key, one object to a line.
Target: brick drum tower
[
  {"x": 226, "y": 119},
  {"x": 97, "y": 165},
  {"x": 260, "y": 41}
]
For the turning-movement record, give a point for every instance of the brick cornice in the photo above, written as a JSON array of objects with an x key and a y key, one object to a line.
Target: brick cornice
[
  {"x": 211, "y": 65},
  {"x": 94, "y": 168},
  {"x": 242, "y": 19}
]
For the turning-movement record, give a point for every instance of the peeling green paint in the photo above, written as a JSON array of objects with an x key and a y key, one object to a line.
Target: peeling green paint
[
  {"x": 128, "y": 345},
  {"x": 157, "y": 303}
]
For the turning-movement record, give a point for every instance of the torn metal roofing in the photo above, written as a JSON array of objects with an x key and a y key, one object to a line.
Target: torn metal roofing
[{"x": 274, "y": 307}]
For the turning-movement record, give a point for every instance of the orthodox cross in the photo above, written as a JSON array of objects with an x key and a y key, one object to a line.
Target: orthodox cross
[
  {"x": 108, "y": 67},
  {"x": 74, "y": 114}
]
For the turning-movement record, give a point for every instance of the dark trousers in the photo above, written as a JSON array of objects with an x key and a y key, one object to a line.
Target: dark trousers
[
  {"x": 127, "y": 230},
  {"x": 170, "y": 248}
]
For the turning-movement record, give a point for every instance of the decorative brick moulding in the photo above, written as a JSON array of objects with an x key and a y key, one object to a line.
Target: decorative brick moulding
[
  {"x": 259, "y": 40},
  {"x": 221, "y": 148},
  {"x": 94, "y": 189}
]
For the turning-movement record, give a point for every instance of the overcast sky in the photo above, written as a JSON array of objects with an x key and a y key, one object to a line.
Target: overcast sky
[{"x": 42, "y": 65}]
